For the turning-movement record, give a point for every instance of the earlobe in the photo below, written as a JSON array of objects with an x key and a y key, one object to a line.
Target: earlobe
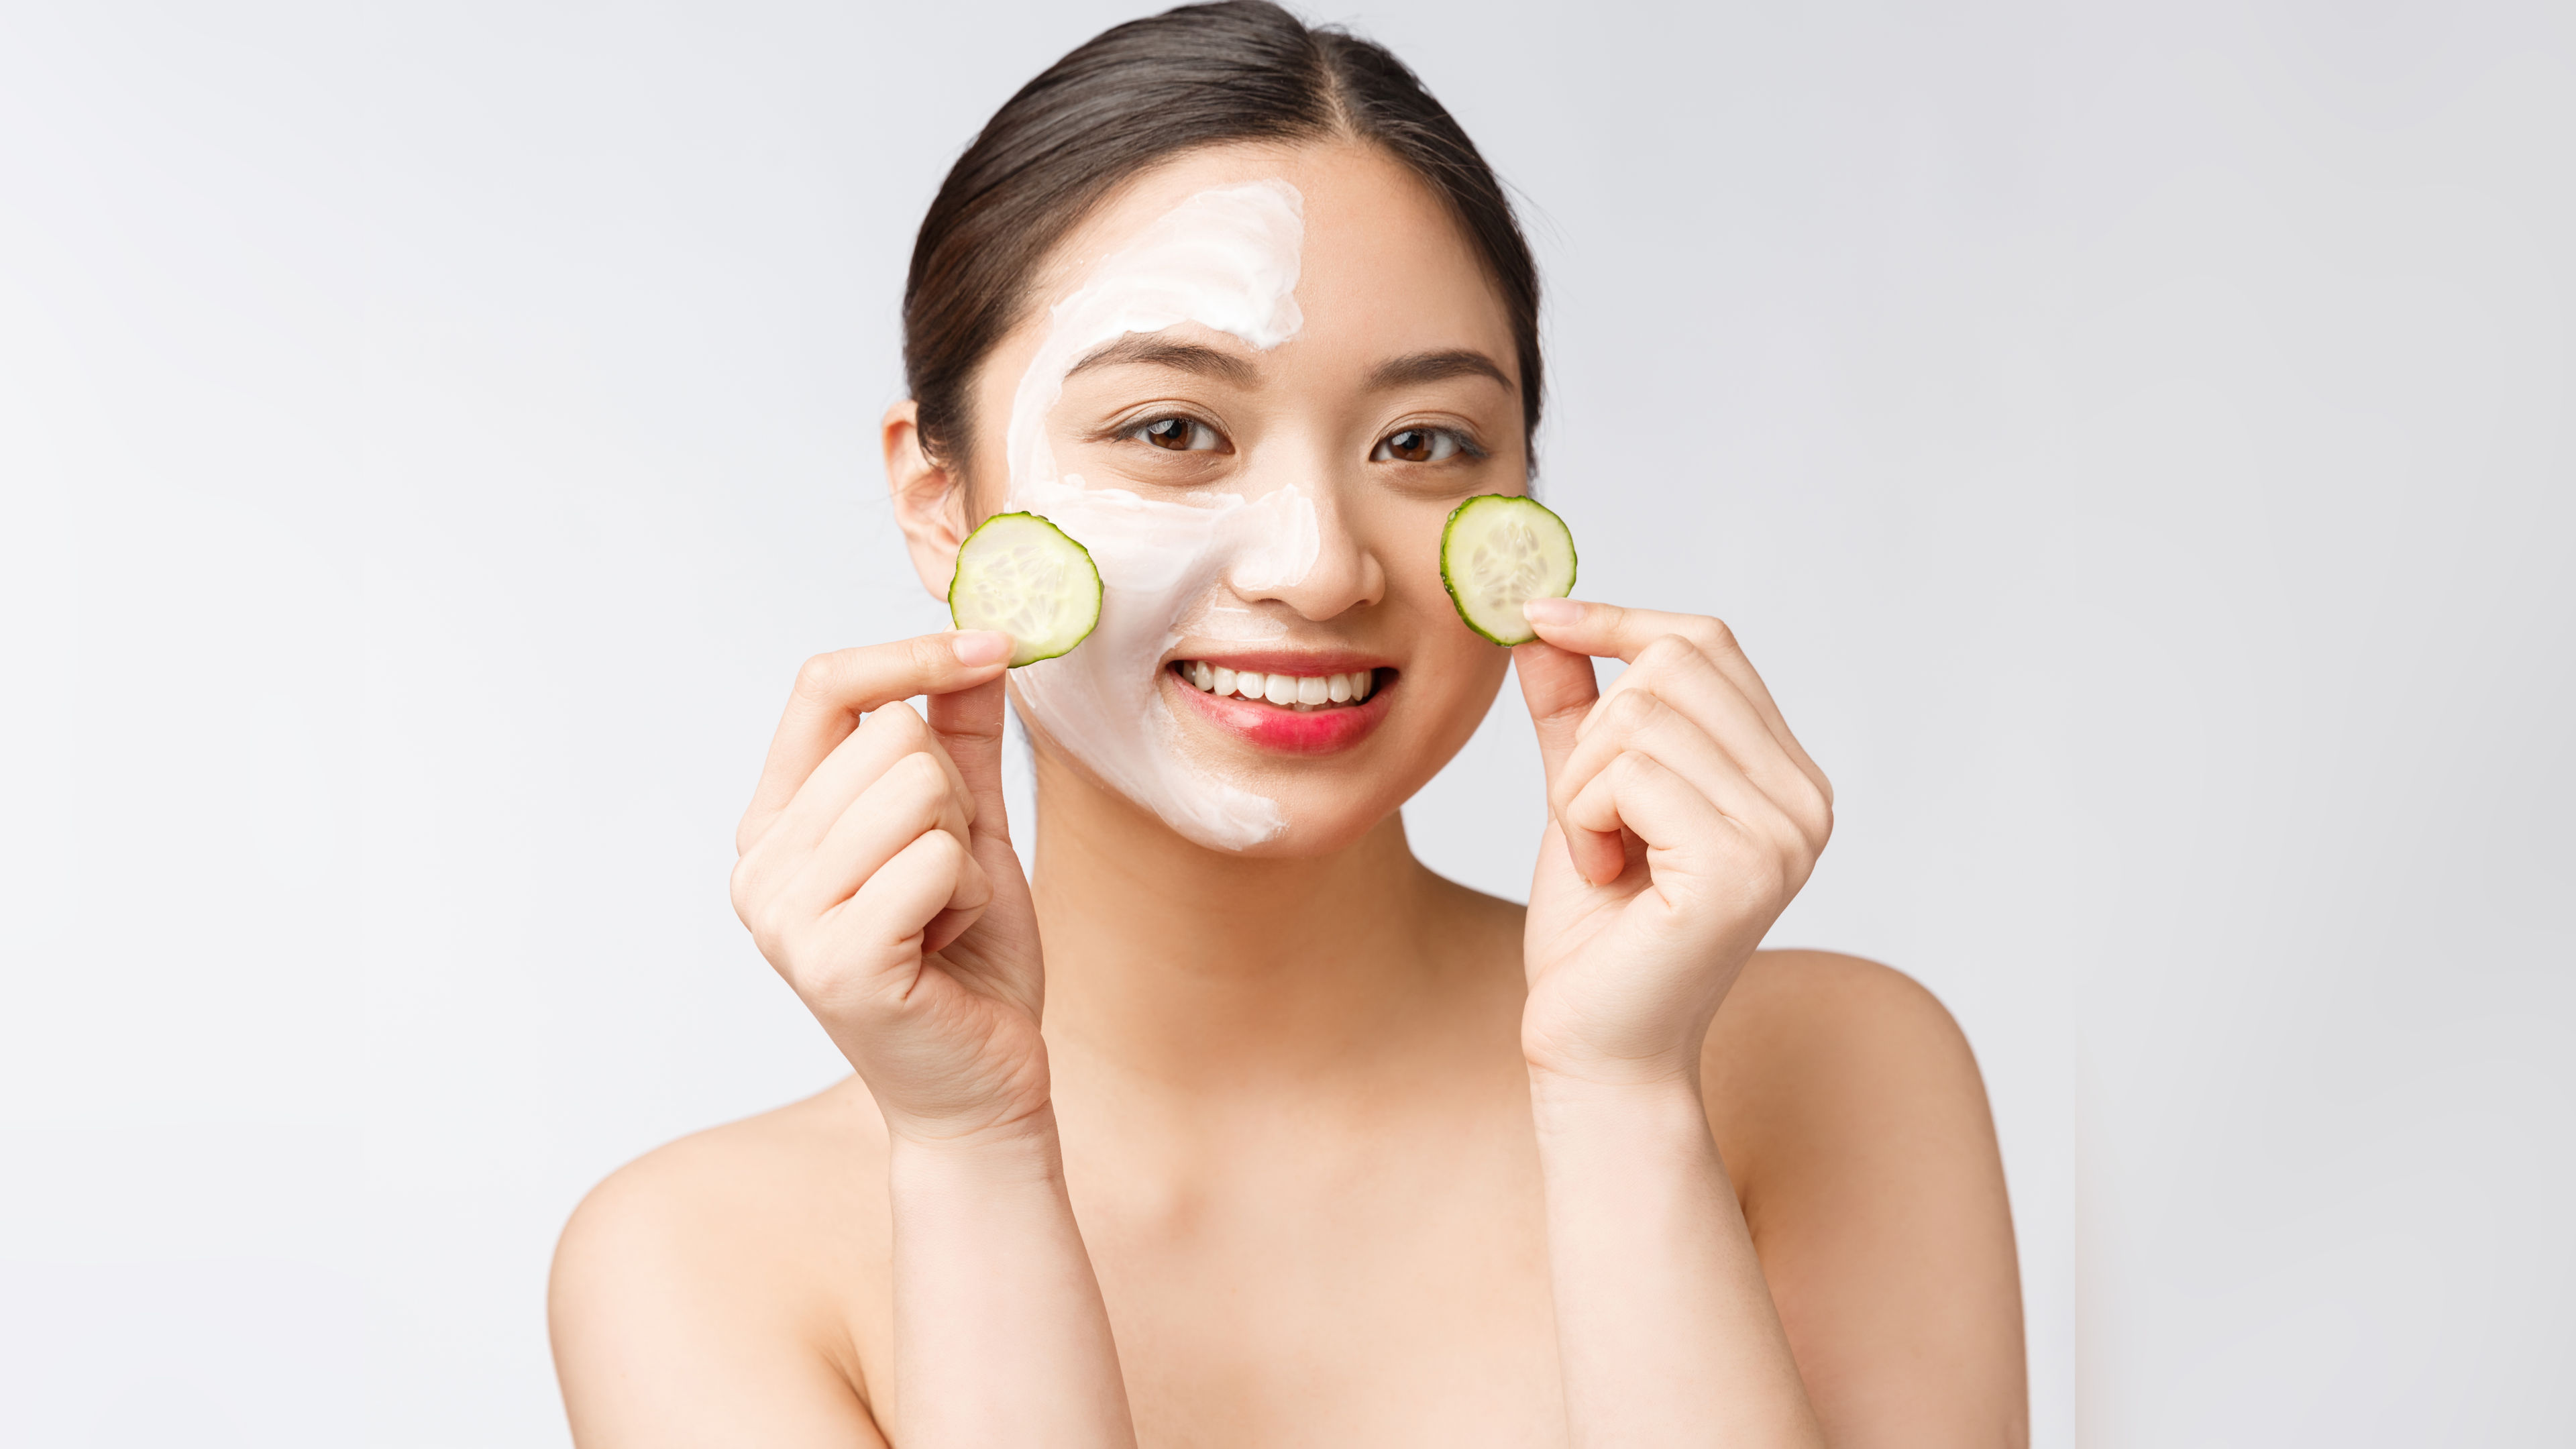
[{"x": 929, "y": 499}]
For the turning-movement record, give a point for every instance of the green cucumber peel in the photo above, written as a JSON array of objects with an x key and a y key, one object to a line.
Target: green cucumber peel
[
  {"x": 1498, "y": 551},
  {"x": 1022, "y": 575}
]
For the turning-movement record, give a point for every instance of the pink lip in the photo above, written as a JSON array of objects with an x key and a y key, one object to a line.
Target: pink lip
[{"x": 1283, "y": 730}]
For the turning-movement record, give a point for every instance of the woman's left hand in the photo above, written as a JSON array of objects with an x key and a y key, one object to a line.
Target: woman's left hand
[{"x": 1683, "y": 817}]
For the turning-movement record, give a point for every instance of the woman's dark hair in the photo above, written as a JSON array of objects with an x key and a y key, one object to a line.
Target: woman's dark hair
[{"x": 1137, "y": 94}]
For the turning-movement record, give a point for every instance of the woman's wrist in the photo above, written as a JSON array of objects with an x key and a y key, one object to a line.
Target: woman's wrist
[
  {"x": 1647, "y": 1055},
  {"x": 1650, "y": 1108},
  {"x": 1675, "y": 1063},
  {"x": 1023, "y": 1149}
]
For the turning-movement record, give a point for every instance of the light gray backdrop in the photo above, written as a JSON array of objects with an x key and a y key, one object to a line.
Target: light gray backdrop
[{"x": 2134, "y": 441}]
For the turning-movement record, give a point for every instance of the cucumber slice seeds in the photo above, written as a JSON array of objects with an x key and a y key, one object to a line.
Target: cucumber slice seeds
[
  {"x": 1026, "y": 577},
  {"x": 1498, "y": 552}
]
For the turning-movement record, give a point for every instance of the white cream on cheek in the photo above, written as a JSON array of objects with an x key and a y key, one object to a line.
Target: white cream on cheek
[{"x": 1225, "y": 259}]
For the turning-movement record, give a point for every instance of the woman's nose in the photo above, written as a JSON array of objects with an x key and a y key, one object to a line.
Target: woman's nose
[{"x": 1345, "y": 571}]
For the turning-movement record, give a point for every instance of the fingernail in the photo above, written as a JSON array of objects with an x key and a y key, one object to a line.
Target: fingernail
[
  {"x": 979, "y": 647},
  {"x": 1551, "y": 611}
]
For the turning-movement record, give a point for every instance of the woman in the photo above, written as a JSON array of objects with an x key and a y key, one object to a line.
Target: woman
[{"x": 1314, "y": 1147}]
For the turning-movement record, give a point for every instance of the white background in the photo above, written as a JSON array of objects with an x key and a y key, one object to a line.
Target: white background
[{"x": 2134, "y": 441}]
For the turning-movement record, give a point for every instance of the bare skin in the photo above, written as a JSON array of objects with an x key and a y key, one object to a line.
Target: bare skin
[{"x": 1305, "y": 1144}]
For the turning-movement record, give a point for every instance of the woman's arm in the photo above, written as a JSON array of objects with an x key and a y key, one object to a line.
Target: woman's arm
[
  {"x": 877, "y": 876},
  {"x": 1685, "y": 816},
  {"x": 1873, "y": 1196},
  {"x": 999, "y": 1332},
  {"x": 1664, "y": 1322}
]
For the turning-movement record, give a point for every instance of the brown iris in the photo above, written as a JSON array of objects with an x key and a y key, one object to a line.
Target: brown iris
[
  {"x": 1413, "y": 445},
  {"x": 1173, "y": 433}
]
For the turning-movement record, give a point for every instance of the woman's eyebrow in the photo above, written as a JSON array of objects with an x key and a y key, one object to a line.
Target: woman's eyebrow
[
  {"x": 1152, "y": 351},
  {"x": 1422, "y": 367}
]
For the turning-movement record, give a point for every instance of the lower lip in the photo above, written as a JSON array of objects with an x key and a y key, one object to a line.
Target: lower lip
[{"x": 1288, "y": 731}]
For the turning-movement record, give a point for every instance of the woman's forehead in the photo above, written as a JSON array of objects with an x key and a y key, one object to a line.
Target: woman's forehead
[
  {"x": 1380, "y": 247},
  {"x": 1361, "y": 206}
]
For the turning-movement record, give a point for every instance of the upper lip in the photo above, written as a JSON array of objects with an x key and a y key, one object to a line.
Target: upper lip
[{"x": 1289, "y": 661}]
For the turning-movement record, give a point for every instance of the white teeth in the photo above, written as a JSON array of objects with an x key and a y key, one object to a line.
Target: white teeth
[{"x": 1296, "y": 691}]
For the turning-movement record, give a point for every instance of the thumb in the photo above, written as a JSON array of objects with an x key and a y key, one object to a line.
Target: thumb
[
  {"x": 1559, "y": 687},
  {"x": 968, "y": 724}
]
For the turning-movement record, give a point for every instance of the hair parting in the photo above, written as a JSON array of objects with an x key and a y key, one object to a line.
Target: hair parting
[{"x": 1142, "y": 93}]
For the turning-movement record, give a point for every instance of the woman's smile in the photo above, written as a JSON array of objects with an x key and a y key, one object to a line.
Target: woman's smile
[{"x": 1298, "y": 704}]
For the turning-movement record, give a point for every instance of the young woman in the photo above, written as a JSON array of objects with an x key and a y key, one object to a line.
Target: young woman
[{"x": 1235, "y": 1125}]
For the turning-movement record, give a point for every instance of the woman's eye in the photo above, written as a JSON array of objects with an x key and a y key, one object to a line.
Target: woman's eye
[
  {"x": 1418, "y": 445},
  {"x": 1180, "y": 435}
]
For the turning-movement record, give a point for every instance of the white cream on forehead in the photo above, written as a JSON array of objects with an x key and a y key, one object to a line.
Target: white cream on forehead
[{"x": 1227, "y": 260}]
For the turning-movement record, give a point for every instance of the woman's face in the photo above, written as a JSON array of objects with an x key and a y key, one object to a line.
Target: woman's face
[{"x": 1254, "y": 385}]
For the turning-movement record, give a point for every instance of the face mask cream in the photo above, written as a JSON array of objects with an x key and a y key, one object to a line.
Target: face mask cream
[{"x": 1227, "y": 260}]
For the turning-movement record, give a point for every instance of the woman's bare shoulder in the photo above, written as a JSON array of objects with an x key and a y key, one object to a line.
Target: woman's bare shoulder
[
  {"x": 1802, "y": 1009},
  {"x": 1851, "y": 1113},
  {"x": 764, "y": 1171},
  {"x": 1814, "y": 1047},
  {"x": 783, "y": 1183},
  {"x": 741, "y": 1244}
]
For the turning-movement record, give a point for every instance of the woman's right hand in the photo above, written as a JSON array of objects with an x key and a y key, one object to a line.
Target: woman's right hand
[{"x": 877, "y": 875}]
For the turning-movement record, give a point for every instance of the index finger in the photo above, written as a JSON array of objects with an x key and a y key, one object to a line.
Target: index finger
[
  {"x": 1615, "y": 630},
  {"x": 1610, "y": 630},
  {"x": 833, "y": 690}
]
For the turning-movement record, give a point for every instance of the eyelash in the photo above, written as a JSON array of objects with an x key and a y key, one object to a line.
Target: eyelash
[
  {"x": 1137, "y": 433},
  {"x": 1459, "y": 444}
]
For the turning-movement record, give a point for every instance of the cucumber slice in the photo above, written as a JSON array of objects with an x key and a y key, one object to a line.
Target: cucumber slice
[
  {"x": 1498, "y": 552},
  {"x": 1026, "y": 577}
]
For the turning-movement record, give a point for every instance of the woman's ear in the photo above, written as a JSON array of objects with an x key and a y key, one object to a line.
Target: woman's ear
[{"x": 929, "y": 499}]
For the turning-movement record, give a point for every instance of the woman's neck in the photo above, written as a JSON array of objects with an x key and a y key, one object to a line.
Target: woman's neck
[{"x": 1208, "y": 970}]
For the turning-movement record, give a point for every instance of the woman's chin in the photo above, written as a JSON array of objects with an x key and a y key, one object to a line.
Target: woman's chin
[{"x": 1316, "y": 826}]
